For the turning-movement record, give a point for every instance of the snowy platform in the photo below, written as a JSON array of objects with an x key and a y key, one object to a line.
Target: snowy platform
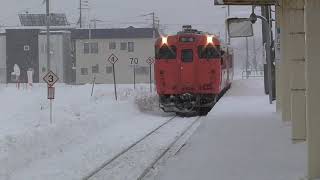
[{"x": 242, "y": 138}]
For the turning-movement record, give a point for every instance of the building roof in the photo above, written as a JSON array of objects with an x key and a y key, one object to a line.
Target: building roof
[
  {"x": 55, "y": 32},
  {"x": 118, "y": 33},
  {"x": 123, "y": 33}
]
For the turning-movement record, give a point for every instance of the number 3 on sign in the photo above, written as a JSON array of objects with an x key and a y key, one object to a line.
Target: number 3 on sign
[{"x": 51, "y": 78}]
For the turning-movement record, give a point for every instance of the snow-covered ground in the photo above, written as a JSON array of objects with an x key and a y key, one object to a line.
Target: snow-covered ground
[
  {"x": 86, "y": 131},
  {"x": 242, "y": 138}
]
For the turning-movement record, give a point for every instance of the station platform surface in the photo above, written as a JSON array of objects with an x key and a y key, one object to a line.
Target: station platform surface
[{"x": 242, "y": 138}]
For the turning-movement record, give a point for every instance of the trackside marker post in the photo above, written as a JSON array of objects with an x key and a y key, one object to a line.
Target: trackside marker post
[
  {"x": 150, "y": 61},
  {"x": 134, "y": 63},
  {"x": 113, "y": 59},
  {"x": 50, "y": 78},
  {"x": 93, "y": 83}
]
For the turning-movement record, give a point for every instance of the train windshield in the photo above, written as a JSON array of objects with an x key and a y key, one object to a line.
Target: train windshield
[
  {"x": 209, "y": 52},
  {"x": 166, "y": 52},
  {"x": 187, "y": 55}
]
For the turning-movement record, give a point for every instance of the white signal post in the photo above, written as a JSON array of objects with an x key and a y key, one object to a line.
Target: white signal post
[
  {"x": 150, "y": 61},
  {"x": 113, "y": 59},
  {"x": 50, "y": 78}
]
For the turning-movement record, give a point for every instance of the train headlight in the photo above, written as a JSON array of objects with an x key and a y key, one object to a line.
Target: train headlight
[
  {"x": 209, "y": 39},
  {"x": 164, "y": 40}
]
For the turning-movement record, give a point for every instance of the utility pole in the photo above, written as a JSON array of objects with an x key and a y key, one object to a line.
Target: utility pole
[
  {"x": 153, "y": 24},
  {"x": 268, "y": 67},
  {"x": 247, "y": 58},
  {"x": 95, "y": 22},
  {"x": 228, "y": 15},
  {"x": 84, "y": 4},
  {"x": 155, "y": 21},
  {"x": 255, "y": 63},
  {"x": 48, "y": 34}
]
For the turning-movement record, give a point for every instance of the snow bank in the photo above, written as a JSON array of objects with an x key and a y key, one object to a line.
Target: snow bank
[{"x": 83, "y": 128}]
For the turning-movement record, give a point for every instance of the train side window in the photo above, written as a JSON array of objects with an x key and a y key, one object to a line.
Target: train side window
[
  {"x": 166, "y": 52},
  {"x": 209, "y": 52},
  {"x": 187, "y": 55}
]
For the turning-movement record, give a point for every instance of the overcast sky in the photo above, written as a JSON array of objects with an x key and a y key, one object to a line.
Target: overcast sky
[{"x": 116, "y": 13}]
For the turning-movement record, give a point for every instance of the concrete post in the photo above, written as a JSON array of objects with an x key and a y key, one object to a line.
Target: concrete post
[
  {"x": 277, "y": 58},
  {"x": 284, "y": 74},
  {"x": 312, "y": 25},
  {"x": 296, "y": 60}
]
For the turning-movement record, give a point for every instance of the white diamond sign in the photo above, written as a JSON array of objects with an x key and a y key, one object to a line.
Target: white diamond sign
[
  {"x": 150, "y": 60},
  {"x": 50, "y": 78},
  {"x": 113, "y": 59}
]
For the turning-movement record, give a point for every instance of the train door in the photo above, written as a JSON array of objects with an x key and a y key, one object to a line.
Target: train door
[{"x": 187, "y": 69}]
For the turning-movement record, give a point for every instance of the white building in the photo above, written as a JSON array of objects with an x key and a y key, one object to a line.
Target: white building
[
  {"x": 132, "y": 46},
  {"x": 3, "y": 59},
  {"x": 60, "y": 55}
]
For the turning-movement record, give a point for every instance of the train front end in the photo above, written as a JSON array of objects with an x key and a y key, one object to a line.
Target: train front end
[{"x": 188, "y": 72}]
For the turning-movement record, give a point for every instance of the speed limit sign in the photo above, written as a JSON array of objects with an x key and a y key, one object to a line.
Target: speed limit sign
[{"x": 50, "y": 78}]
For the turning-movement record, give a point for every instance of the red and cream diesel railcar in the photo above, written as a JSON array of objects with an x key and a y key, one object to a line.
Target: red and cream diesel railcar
[{"x": 192, "y": 70}]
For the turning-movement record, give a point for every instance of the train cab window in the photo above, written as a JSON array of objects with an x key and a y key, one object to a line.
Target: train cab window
[
  {"x": 187, "y": 55},
  {"x": 166, "y": 52},
  {"x": 209, "y": 52}
]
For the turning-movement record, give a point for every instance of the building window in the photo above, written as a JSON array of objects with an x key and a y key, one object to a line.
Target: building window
[
  {"x": 109, "y": 69},
  {"x": 84, "y": 71},
  {"x": 86, "y": 48},
  {"x": 26, "y": 48},
  {"x": 94, "y": 48},
  {"x": 112, "y": 45},
  {"x": 123, "y": 46},
  {"x": 130, "y": 46},
  {"x": 142, "y": 70},
  {"x": 95, "y": 69}
]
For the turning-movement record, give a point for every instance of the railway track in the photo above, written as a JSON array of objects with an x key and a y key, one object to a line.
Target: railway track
[{"x": 141, "y": 140}]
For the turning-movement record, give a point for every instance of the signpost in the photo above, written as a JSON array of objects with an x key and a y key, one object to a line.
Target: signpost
[
  {"x": 113, "y": 59},
  {"x": 134, "y": 62},
  {"x": 50, "y": 78},
  {"x": 150, "y": 61},
  {"x": 93, "y": 83}
]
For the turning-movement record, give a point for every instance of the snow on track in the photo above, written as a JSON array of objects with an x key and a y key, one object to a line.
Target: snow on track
[{"x": 138, "y": 159}]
